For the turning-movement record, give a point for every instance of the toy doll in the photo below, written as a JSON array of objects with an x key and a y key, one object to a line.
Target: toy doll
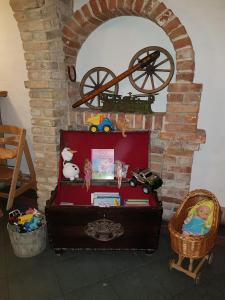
[
  {"x": 87, "y": 173},
  {"x": 119, "y": 172},
  {"x": 199, "y": 219}
]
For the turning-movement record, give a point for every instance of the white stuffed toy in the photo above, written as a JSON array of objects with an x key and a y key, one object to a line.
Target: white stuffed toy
[
  {"x": 67, "y": 154},
  {"x": 70, "y": 171}
]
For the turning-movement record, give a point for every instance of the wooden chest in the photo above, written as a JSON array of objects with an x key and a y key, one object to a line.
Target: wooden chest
[{"x": 84, "y": 226}]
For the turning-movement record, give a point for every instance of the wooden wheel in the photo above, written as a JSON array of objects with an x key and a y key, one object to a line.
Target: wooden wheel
[
  {"x": 94, "y": 79},
  {"x": 154, "y": 77}
]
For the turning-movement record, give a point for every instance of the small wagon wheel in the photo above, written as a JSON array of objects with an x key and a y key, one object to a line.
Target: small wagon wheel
[
  {"x": 156, "y": 75},
  {"x": 94, "y": 79}
]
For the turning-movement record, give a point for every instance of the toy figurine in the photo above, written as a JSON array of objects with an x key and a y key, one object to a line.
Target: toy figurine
[
  {"x": 119, "y": 172},
  {"x": 67, "y": 154},
  {"x": 70, "y": 171},
  {"x": 122, "y": 124},
  {"x": 87, "y": 173},
  {"x": 199, "y": 219}
]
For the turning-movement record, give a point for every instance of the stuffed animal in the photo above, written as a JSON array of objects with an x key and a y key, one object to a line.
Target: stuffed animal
[
  {"x": 67, "y": 154},
  {"x": 199, "y": 219},
  {"x": 70, "y": 171}
]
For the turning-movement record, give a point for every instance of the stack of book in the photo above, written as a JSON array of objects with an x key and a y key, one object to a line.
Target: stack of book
[
  {"x": 105, "y": 199},
  {"x": 136, "y": 202}
]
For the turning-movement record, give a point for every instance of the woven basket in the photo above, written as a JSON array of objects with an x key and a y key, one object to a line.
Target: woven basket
[
  {"x": 28, "y": 244},
  {"x": 193, "y": 246}
]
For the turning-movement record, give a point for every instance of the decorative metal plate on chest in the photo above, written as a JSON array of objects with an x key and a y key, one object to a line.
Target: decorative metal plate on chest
[{"x": 104, "y": 230}]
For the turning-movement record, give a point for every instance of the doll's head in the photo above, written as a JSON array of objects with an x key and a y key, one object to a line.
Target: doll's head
[{"x": 204, "y": 210}]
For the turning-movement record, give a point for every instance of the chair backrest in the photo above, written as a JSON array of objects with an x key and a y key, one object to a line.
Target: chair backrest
[{"x": 12, "y": 136}]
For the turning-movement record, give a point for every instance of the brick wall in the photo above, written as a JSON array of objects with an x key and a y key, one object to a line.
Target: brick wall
[{"x": 52, "y": 35}]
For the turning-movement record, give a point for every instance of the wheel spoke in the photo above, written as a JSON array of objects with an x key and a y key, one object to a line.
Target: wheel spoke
[
  {"x": 152, "y": 82},
  {"x": 104, "y": 78},
  {"x": 140, "y": 76},
  {"x": 144, "y": 82},
  {"x": 156, "y": 75},
  {"x": 90, "y": 102},
  {"x": 162, "y": 70},
  {"x": 89, "y": 86},
  {"x": 98, "y": 77},
  {"x": 92, "y": 80},
  {"x": 162, "y": 62}
]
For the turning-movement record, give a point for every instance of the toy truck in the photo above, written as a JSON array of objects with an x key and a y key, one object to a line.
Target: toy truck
[
  {"x": 99, "y": 123},
  {"x": 149, "y": 181}
]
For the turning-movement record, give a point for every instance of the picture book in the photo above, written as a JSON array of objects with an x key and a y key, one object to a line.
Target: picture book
[
  {"x": 105, "y": 199},
  {"x": 137, "y": 202},
  {"x": 102, "y": 163}
]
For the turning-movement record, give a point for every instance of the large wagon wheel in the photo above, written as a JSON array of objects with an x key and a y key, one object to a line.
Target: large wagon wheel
[
  {"x": 94, "y": 79},
  {"x": 156, "y": 75}
]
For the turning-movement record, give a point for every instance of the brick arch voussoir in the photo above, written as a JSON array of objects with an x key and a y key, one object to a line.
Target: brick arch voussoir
[{"x": 96, "y": 12}]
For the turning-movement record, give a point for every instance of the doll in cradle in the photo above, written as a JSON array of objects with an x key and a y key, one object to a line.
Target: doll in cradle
[{"x": 199, "y": 219}]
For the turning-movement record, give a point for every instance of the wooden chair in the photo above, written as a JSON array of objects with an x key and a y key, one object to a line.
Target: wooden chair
[{"x": 15, "y": 138}]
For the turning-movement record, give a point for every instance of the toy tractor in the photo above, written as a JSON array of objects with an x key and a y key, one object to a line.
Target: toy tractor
[{"x": 99, "y": 123}]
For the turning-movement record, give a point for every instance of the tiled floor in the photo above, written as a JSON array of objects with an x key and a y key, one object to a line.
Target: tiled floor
[{"x": 104, "y": 275}]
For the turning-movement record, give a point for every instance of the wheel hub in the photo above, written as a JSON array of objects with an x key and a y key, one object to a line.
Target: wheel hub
[{"x": 150, "y": 69}]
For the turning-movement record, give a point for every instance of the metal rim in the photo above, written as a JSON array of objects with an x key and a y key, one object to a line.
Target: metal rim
[
  {"x": 92, "y": 80},
  {"x": 154, "y": 77}
]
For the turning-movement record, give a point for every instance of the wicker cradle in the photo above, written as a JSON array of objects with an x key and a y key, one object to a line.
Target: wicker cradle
[{"x": 193, "y": 247}]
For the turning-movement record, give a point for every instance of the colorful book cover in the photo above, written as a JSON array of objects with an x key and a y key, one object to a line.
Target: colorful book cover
[
  {"x": 102, "y": 163},
  {"x": 105, "y": 199}
]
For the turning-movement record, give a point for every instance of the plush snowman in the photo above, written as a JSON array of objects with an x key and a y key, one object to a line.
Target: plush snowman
[
  {"x": 67, "y": 154},
  {"x": 70, "y": 170}
]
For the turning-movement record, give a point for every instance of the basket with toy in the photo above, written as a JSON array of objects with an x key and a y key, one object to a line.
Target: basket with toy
[{"x": 193, "y": 231}]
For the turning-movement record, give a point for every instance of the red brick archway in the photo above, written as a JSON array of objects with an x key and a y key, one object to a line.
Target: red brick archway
[
  {"x": 95, "y": 13},
  {"x": 175, "y": 133}
]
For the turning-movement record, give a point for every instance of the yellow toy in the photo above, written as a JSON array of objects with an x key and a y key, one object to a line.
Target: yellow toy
[
  {"x": 199, "y": 219},
  {"x": 25, "y": 218},
  {"x": 96, "y": 119}
]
